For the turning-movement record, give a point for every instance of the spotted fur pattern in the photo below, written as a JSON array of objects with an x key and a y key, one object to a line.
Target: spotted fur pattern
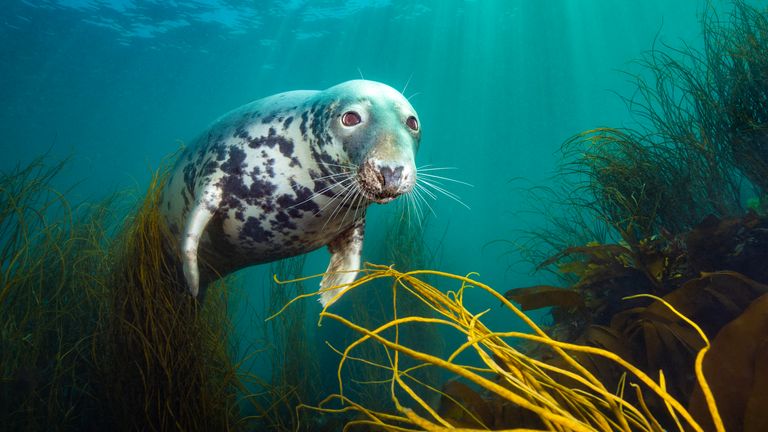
[{"x": 255, "y": 187}]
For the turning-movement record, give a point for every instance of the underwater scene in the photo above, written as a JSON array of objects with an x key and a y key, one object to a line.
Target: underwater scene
[{"x": 384, "y": 215}]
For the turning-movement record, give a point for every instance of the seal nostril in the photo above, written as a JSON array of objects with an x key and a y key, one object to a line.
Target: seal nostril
[{"x": 392, "y": 177}]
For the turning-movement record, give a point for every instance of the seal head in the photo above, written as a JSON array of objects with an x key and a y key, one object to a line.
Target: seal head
[
  {"x": 287, "y": 174},
  {"x": 380, "y": 133}
]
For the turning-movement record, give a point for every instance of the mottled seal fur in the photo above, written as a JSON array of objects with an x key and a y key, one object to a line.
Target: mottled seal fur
[{"x": 287, "y": 174}]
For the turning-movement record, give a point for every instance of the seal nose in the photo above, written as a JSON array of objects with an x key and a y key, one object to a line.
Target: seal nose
[
  {"x": 392, "y": 177},
  {"x": 385, "y": 181},
  {"x": 395, "y": 179}
]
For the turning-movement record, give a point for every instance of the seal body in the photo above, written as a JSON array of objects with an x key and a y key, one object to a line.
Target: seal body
[{"x": 287, "y": 174}]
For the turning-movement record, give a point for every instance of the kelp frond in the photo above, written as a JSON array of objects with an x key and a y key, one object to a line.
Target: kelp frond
[
  {"x": 52, "y": 260},
  {"x": 518, "y": 392},
  {"x": 164, "y": 357}
]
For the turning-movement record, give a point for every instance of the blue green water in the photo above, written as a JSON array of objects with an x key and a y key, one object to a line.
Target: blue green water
[{"x": 498, "y": 85}]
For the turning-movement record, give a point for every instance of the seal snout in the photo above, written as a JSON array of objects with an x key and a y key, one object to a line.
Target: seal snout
[{"x": 383, "y": 181}]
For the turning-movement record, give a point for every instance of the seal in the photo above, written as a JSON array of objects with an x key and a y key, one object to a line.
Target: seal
[{"x": 288, "y": 174}]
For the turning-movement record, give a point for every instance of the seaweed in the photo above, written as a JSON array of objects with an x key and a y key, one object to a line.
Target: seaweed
[
  {"x": 736, "y": 368},
  {"x": 51, "y": 257},
  {"x": 669, "y": 195},
  {"x": 158, "y": 344},
  {"x": 502, "y": 388},
  {"x": 94, "y": 331},
  {"x": 287, "y": 349},
  {"x": 405, "y": 247},
  {"x": 699, "y": 144}
]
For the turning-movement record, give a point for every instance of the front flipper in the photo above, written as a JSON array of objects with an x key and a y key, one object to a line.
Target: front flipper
[
  {"x": 345, "y": 260},
  {"x": 198, "y": 218}
]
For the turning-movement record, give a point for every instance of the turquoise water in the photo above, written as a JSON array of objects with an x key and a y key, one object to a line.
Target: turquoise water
[{"x": 499, "y": 86}]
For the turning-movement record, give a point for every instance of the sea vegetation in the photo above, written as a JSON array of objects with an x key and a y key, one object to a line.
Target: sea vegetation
[
  {"x": 158, "y": 345},
  {"x": 499, "y": 388},
  {"x": 404, "y": 247},
  {"x": 51, "y": 295},
  {"x": 95, "y": 333},
  {"x": 287, "y": 347},
  {"x": 659, "y": 240},
  {"x": 674, "y": 208},
  {"x": 660, "y": 322}
]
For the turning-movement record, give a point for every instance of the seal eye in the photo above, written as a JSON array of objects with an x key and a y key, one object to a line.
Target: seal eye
[
  {"x": 412, "y": 123},
  {"x": 350, "y": 118}
]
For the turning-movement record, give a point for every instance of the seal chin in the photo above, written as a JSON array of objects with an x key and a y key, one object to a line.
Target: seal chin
[{"x": 384, "y": 199}]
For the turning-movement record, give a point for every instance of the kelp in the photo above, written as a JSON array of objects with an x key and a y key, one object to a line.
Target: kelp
[
  {"x": 701, "y": 137},
  {"x": 159, "y": 346},
  {"x": 738, "y": 369},
  {"x": 539, "y": 296},
  {"x": 51, "y": 262},
  {"x": 94, "y": 331},
  {"x": 664, "y": 208},
  {"x": 698, "y": 147},
  {"x": 405, "y": 247},
  {"x": 684, "y": 270},
  {"x": 501, "y": 388},
  {"x": 286, "y": 347}
]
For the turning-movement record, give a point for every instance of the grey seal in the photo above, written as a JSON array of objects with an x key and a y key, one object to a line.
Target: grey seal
[{"x": 288, "y": 174}]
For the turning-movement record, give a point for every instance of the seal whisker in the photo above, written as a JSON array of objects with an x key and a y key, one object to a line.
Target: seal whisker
[
  {"x": 336, "y": 196},
  {"x": 417, "y": 210},
  {"x": 431, "y": 168},
  {"x": 358, "y": 206},
  {"x": 329, "y": 167},
  {"x": 320, "y": 192},
  {"x": 361, "y": 201},
  {"x": 406, "y": 208},
  {"x": 435, "y": 178},
  {"x": 350, "y": 166},
  {"x": 348, "y": 192},
  {"x": 424, "y": 200},
  {"x": 438, "y": 187},
  {"x": 412, "y": 205},
  {"x": 332, "y": 175},
  {"x": 405, "y": 205},
  {"x": 449, "y": 194},
  {"x": 420, "y": 213},
  {"x": 336, "y": 211},
  {"x": 413, "y": 95},
  {"x": 352, "y": 203},
  {"x": 405, "y": 87},
  {"x": 426, "y": 191}
]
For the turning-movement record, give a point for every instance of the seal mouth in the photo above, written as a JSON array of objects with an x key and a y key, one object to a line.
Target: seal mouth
[{"x": 371, "y": 194}]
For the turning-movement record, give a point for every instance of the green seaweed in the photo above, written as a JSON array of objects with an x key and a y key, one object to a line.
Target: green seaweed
[
  {"x": 51, "y": 292},
  {"x": 158, "y": 344},
  {"x": 672, "y": 221},
  {"x": 94, "y": 330}
]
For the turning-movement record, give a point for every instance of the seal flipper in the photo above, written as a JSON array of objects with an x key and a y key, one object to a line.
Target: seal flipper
[
  {"x": 198, "y": 218},
  {"x": 345, "y": 260}
]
